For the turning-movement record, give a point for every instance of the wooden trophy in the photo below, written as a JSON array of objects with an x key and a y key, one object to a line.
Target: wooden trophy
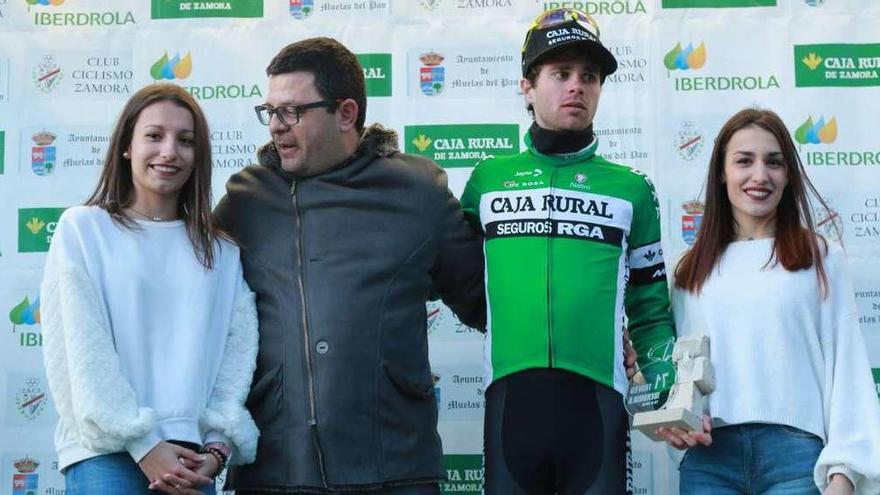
[{"x": 694, "y": 379}]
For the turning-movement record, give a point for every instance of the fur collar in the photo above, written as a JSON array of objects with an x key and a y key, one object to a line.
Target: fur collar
[{"x": 377, "y": 141}]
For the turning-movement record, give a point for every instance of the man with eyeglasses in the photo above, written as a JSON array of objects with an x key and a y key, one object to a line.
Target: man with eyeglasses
[
  {"x": 573, "y": 261},
  {"x": 343, "y": 239}
]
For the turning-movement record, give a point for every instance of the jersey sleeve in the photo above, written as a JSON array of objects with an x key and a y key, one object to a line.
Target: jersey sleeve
[
  {"x": 470, "y": 198},
  {"x": 647, "y": 297},
  {"x": 458, "y": 269}
]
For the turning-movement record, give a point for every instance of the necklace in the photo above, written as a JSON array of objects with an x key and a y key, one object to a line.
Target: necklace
[
  {"x": 756, "y": 236},
  {"x": 152, "y": 218}
]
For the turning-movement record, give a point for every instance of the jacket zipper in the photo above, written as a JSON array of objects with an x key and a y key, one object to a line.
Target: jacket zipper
[
  {"x": 549, "y": 273},
  {"x": 307, "y": 345}
]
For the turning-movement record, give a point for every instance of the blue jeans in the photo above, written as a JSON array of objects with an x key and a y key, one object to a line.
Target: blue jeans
[
  {"x": 110, "y": 474},
  {"x": 755, "y": 458}
]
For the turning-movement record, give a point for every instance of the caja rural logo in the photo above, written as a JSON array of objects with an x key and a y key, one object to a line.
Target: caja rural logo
[
  {"x": 36, "y": 227},
  {"x": 377, "y": 73},
  {"x": 461, "y": 145},
  {"x": 464, "y": 474},
  {"x": 182, "y": 9},
  {"x": 822, "y": 132},
  {"x": 692, "y": 59},
  {"x": 841, "y": 64}
]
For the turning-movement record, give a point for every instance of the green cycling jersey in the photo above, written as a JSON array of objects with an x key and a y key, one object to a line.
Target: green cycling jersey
[{"x": 573, "y": 257}]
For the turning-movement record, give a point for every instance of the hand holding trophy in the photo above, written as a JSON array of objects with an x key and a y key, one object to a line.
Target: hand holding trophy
[{"x": 667, "y": 396}]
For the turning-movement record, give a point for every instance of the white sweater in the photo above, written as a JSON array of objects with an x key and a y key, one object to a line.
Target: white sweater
[
  {"x": 782, "y": 354},
  {"x": 141, "y": 342}
]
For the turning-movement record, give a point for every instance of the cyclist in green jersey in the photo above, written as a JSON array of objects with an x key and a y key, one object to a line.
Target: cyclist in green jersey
[{"x": 573, "y": 259}]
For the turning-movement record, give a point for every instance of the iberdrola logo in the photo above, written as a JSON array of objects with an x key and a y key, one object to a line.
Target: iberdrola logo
[
  {"x": 175, "y": 68},
  {"x": 825, "y": 132},
  {"x": 690, "y": 58},
  {"x": 816, "y": 132},
  {"x": 25, "y": 313},
  {"x": 53, "y": 3},
  {"x": 687, "y": 58}
]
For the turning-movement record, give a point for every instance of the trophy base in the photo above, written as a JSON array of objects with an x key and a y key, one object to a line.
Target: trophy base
[{"x": 678, "y": 417}]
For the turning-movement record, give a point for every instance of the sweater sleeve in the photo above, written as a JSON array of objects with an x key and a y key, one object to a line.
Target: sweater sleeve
[
  {"x": 852, "y": 411},
  {"x": 226, "y": 419},
  {"x": 92, "y": 396}
]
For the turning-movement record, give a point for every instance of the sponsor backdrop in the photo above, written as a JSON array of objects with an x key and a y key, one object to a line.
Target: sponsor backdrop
[{"x": 444, "y": 73}]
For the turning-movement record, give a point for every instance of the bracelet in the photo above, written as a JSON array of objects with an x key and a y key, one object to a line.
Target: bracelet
[
  {"x": 218, "y": 454},
  {"x": 222, "y": 446}
]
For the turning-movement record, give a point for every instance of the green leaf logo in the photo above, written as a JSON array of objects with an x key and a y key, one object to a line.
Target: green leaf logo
[
  {"x": 25, "y": 313},
  {"x": 156, "y": 69},
  {"x": 16, "y": 316},
  {"x": 669, "y": 59},
  {"x": 800, "y": 135}
]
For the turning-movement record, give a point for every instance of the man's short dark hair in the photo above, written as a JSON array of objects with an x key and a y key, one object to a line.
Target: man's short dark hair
[{"x": 338, "y": 74}]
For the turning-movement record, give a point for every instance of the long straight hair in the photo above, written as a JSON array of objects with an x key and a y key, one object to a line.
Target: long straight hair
[
  {"x": 796, "y": 244},
  {"x": 115, "y": 189}
]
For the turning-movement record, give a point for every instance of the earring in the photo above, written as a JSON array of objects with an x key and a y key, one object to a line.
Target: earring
[{"x": 125, "y": 155}]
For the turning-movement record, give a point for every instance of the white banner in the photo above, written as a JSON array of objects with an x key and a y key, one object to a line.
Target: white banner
[{"x": 447, "y": 68}]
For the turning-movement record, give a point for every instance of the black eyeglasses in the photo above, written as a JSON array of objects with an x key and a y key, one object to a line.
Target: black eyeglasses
[{"x": 289, "y": 115}]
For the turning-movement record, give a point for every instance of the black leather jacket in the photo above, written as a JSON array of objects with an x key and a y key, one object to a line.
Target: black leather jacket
[{"x": 342, "y": 264}]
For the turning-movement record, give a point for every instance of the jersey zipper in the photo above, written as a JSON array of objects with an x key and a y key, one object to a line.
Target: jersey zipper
[
  {"x": 549, "y": 285},
  {"x": 313, "y": 415}
]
